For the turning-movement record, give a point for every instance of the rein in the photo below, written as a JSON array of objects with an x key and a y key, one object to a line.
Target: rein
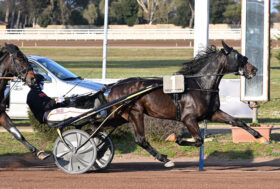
[{"x": 8, "y": 77}]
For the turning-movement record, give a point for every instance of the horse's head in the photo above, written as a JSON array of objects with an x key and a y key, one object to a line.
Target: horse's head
[
  {"x": 237, "y": 63},
  {"x": 18, "y": 65}
]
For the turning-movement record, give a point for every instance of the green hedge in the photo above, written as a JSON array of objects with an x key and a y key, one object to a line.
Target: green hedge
[
  {"x": 155, "y": 129},
  {"x": 42, "y": 130}
]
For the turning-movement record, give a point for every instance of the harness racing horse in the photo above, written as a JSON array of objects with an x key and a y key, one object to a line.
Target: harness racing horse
[
  {"x": 14, "y": 63},
  {"x": 200, "y": 100}
]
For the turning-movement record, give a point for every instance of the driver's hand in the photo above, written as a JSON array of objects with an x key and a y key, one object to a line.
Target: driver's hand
[{"x": 59, "y": 99}]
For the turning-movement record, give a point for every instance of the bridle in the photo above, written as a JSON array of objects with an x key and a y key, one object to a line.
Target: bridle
[
  {"x": 21, "y": 72},
  {"x": 229, "y": 58}
]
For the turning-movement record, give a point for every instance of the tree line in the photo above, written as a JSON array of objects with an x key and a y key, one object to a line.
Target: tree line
[{"x": 26, "y": 13}]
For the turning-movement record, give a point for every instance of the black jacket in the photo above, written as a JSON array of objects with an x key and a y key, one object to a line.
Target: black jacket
[{"x": 39, "y": 103}]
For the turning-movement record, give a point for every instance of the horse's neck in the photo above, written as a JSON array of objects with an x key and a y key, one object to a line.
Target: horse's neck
[{"x": 212, "y": 81}]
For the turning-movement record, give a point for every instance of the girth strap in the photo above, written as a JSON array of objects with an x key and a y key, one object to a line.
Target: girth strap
[{"x": 176, "y": 97}]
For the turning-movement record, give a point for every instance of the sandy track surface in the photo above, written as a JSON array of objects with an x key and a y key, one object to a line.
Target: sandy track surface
[{"x": 143, "y": 172}]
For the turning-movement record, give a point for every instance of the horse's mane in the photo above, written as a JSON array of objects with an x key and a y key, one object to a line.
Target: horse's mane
[
  {"x": 200, "y": 60},
  {"x": 11, "y": 48}
]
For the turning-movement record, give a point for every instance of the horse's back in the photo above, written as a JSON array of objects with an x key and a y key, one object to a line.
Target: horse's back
[
  {"x": 154, "y": 103},
  {"x": 129, "y": 86}
]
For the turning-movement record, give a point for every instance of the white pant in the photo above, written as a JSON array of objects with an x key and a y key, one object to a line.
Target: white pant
[{"x": 61, "y": 114}]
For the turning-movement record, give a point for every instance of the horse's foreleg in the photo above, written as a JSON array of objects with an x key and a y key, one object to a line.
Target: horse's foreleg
[
  {"x": 9, "y": 126},
  {"x": 138, "y": 124},
  {"x": 194, "y": 130},
  {"x": 223, "y": 117}
]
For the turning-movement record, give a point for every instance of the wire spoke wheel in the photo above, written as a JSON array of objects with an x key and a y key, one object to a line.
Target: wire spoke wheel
[
  {"x": 71, "y": 160},
  {"x": 105, "y": 151}
]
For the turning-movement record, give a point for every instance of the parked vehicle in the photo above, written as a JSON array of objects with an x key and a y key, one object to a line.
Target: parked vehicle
[{"x": 59, "y": 82}]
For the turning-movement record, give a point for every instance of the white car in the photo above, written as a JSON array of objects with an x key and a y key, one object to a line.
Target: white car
[{"x": 59, "y": 82}]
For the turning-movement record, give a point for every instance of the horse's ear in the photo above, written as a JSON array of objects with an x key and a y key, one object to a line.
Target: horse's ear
[{"x": 226, "y": 49}]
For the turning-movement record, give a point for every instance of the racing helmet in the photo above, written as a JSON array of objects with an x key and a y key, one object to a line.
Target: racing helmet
[{"x": 39, "y": 83}]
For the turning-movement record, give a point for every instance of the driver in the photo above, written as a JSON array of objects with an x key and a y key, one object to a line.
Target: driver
[{"x": 46, "y": 109}]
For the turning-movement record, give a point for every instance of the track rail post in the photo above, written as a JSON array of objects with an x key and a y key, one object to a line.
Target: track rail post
[{"x": 203, "y": 132}]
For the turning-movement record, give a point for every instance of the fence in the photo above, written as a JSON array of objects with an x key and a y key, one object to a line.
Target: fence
[{"x": 118, "y": 34}]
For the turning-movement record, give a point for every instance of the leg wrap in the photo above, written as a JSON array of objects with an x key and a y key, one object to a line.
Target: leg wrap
[{"x": 15, "y": 132}]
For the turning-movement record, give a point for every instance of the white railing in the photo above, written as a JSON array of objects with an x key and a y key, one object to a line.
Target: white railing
[{"x": 118, "y": 34}]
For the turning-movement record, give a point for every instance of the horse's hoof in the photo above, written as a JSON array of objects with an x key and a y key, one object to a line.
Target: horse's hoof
[
  {"x": 42, "y": 155},
  {"x": 171, "y": 138},
  {"x": 169, "y": 164},
  {"x": 263, "y": 140}
]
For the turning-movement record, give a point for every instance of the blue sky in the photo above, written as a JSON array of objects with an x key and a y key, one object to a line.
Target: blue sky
[{"x": 272, "y": 5}]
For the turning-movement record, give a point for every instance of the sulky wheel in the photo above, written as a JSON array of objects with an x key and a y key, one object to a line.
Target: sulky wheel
[
  {"x": 71, "y": 160},
  {"x": 105, "y": 151}
]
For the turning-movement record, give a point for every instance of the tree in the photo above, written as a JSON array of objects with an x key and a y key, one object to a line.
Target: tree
[
  {"x": 2, "y": 10},
  {"x": 191, "y": 5},
  {"x": 149, "y": 8},
  {"x": 76, "y": 18},
  {"x": 217, "y": 9},
  {"x": 163, "y": 11},
  {"x": 116, "y": 13},
  {"x": 125, "y": 11},
  {"x": 64, "y": 11},
  {"x": 77, "y": 4},
  {"x": 90, "y": 13},
  {"x": 275, "y": 16},
  {"x": 130, "y": 10},
  {"x": 45, "y": 19},
  {"x": 34, "y": 9},
  {"x": 184, "y": 13},
  {"x": 233, "y": 14},
  {"x": 10, "y": 8}
]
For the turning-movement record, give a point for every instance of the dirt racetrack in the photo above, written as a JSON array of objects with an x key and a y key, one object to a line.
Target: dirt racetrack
[{"x": 143, "y": 172}]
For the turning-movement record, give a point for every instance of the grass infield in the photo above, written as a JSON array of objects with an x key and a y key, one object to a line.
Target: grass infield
[{"x": 220, "y": 145}]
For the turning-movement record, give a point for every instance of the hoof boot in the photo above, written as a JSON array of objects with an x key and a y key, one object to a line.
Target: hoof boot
[
  {"x": 169, "y": 164},
  {"x": 263, "y": 140},
  {"x": 42, "y": 155},
  {"x": 171, "y": 138}
]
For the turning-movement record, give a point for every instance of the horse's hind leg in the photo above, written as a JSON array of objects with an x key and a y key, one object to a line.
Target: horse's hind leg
[
  {"x": 194, "y": 130},
  {"x": 223, "y": 117},
  {"x": 138, "y": 123},
  {"x": 9, "y": 126}
]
